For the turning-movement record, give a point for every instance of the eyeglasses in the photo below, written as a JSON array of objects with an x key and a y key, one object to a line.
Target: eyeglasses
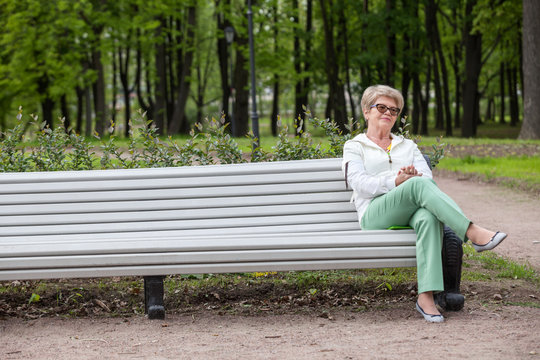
[{"x": 382, "y": 109}]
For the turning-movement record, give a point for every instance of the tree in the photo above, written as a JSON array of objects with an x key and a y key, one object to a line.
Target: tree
[
  {"x": 62, "y": 57},
  {"x": 473, "y": 65},
  {"x": 241, "y": 73},
  {"x": 222, "y": 22},
  {"x": 275, "y": 99},
  {"x": 336, "y": 97},
  {"x": 531, "y": 66},
  {"x": 178, "y": 120}
]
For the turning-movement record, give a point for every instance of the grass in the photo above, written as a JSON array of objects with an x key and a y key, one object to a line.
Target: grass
[
  {"x": 302, "y": 280},
  {"x": 522, "y": 168},
  {"x": 494, "y": 266}
]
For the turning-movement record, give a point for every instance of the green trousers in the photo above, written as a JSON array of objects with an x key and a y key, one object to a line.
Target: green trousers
[{"x": 419, "y": 203}]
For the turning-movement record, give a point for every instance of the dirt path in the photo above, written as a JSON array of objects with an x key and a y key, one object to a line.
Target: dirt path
[
  {"x": 483, "y": 330},
  {"x": 498, "y": 208},
  {"x": 510, "y": 333}
]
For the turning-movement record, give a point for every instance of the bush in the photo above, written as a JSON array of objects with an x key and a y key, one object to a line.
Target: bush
[{"x": 209, "y": 143}]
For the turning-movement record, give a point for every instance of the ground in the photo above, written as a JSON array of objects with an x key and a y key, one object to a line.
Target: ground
[{"x": 500, "y": 320}]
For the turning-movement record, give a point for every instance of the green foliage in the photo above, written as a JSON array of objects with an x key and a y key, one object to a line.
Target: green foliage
[
  {"x": 297, "y": 147},
  {"x": 50, "y": 154},
  {"x": 333, "y": 133},
  {"x": 209, "y": 143},
  {"x": 12, "y": 150},
  {"x": 218, "y": 141},
  {"x": 437, "y": 153},
  {"x": 34, "y": 298}
]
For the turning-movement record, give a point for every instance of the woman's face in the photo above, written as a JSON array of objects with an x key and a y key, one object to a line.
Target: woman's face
[{"x": 378, "y": 120}]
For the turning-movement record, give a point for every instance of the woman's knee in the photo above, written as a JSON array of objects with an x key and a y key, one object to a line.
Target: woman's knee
[
  {"x": 418, "y": 183},
  {"x": 424, "y": 218}
]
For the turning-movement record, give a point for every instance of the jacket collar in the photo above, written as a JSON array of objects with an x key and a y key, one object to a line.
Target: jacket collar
[{"x": 362, "y": 138}]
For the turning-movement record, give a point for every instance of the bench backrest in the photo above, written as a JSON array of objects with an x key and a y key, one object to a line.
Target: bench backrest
[{"x": 274, "y": 197}]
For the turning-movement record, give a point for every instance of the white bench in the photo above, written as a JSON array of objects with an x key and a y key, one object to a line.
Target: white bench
[{"x": 274, "y": 216}]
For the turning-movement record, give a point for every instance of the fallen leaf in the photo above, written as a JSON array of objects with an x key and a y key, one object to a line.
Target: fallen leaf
[{"x": 102, "y": 305}]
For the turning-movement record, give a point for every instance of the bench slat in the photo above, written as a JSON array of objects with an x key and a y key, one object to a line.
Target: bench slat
[
  {"x": 209, "y": 257},
  {"x": 336, "y": 239},
  {"x": 235, "y": 214},
  {"x": 170, "y": 183},
  {"x": 150, "y": 205},
  {"x": 206, "y": 268},
  {"x": 307, "y": 166},
  {"x": 177, "y": 224},
  {"x": 188, "y": 194},
  {"x": 251, "y": 231}
]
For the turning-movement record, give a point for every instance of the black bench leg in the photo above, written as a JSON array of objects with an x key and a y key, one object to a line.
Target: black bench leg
[
  {"x": 452, "y": 255},
  {"x": 153, "y": 297}
]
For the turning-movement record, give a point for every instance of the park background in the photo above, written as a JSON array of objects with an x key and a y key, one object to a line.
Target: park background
[
  {"x": 465, "y": 73},
  {"x": 94, "y": 63}
]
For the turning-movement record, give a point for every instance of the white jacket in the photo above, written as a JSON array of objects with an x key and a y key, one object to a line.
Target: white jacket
[{"x": 371, "y": 171}]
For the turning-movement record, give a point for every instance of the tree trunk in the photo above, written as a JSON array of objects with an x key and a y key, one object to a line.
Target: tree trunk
[
  {"x": 179, "y": 116},
  {"x": 147, "y": 107},
  {"x": 298, "y": 86},
  {"x": 344, "y": 30},
  {"x": 438, "y": 64},
  {"x": 174, "y": 70},
  {"x": 88, "y": 115},
  {"x": 473, "y": 65},
  {"x": 123, "y": 61},
  {"x": 307, "y": 53},
  {"x": 512, "y": 92},
  {"x": 365, "y": 74},
  {"x": 425, "y": 103},
  {"x": 489, "y": 109},
  {"x": 47, "y": 104},
  {"x": 114, "y": 87},
  {"x": 411, "y": 67},
  {"x": 439, "y": 114},
  {"x": 223, "y": 60},
  {"x": 406, "y": 75},
  {"x": 275, "y": 99},
  {"x": 444, "y": 75},
  {"x": 160, "y": 110},
  {"x": 241, "y": 78},
  {"x": 417, "y": 103},
  {"x": 502, "y": 92},
  {"x": 457, "y": 96},
  {"x": 99, "y": 92},
  {"x": 390, "y": 44},
  {"x": 336, "y": 92},
  {"x": 80, "y": 109},
  {"x": 65, "y": 112},
  {"x": 275, "y": 107},
  {"x": 531, "y": 66}
]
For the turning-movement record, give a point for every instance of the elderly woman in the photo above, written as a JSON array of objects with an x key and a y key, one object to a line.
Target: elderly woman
[{"x": 393, "y": 186}]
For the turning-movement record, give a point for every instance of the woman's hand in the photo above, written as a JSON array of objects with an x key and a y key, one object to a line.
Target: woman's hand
[{"x": 405, "y": 173}]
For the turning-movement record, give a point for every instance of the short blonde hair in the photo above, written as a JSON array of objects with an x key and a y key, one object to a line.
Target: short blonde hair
[{"x": 372, "y": 93}]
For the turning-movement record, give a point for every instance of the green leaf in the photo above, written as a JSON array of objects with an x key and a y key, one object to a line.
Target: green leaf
[{"x": 34, "y": 298}]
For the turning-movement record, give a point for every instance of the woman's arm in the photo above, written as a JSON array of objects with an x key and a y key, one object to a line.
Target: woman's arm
[{"x": 366, "y": 185}]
